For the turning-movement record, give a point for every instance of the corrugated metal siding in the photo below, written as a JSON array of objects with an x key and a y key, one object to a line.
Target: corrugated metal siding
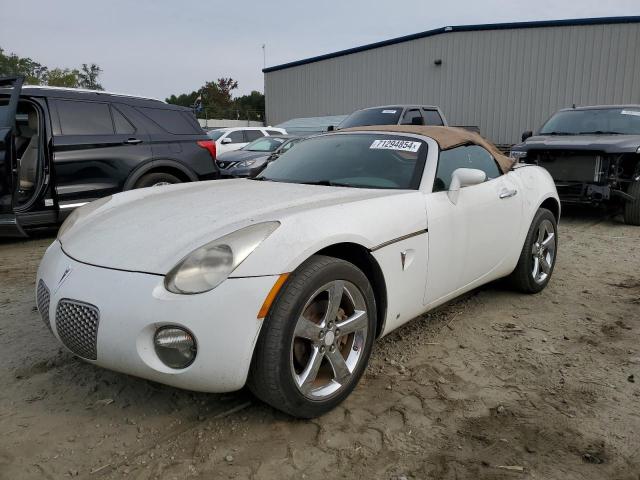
[{"x": 504, "y": 81}]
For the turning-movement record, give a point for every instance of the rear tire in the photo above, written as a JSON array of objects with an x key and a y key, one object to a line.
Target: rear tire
[
  {"x": 538, "y": 256},
  {"x": 316, "y": 340},
  {"x": 156, "y": 180},
  {"x": 632, "y": 208}
]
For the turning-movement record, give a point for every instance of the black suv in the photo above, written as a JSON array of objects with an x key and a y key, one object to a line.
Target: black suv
[
  {"x": 61, "y": 148},
  {"x": 593, "y": 155}
]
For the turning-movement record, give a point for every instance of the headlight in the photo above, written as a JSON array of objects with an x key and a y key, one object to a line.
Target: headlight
[
  {"x": 81, "y": 212},
  {"x": 208, "y": 266},
  {"x": 517, "y": 155},
  {"x": 246, "y": 163}
]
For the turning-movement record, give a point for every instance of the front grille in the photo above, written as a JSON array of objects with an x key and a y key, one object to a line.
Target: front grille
[
  {"x": 43, "y": 298},
  {"x": 77, "y": 325},
  {"x": 571, "y": 165}
]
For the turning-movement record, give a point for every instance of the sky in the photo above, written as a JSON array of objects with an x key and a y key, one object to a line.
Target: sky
[{"x": 160, "y": 47}]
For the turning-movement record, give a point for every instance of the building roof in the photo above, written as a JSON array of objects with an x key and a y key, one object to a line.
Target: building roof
[
  {"x": 446, "y": 138},
  {"x": 459, "y": 28}
]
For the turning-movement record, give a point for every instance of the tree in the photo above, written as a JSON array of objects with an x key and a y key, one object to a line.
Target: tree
[
  {"x": 11, "y": 64},
  {"x": 88, "y": 77},
  {"x": 62, "y": 78},
  {"x": 37, "y": 74},
  {"x": 218, "y": 102},
  {"x": 226, "y": 85},
  {"x": 251, "y": 106}
]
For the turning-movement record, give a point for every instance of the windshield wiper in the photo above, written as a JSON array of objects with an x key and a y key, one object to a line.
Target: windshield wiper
[
  {"x": 328, "y": 183},
  {"x": 600, "y": 132},
  {"x": 261, "y": 179},
  {"x": 557, "y": 133}
]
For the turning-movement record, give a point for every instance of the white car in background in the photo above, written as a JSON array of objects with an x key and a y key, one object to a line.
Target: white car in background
[
  {"x": 283, "y": 282},
  {"x": 230, "y": 139}
]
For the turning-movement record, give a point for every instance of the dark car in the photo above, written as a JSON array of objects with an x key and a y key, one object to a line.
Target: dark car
[
  {"x": 251, "y": 159},
  {"x": 593, "y": 155},
  {"x": 395, "y": 115},
  {"x": 61, "y": 148}
]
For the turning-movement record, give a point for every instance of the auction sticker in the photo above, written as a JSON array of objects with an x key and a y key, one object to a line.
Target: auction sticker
[
  {"x": 402, "y": 145},
  {"x": 389, "y": 111},
  {"x": 631, "y": 112}
]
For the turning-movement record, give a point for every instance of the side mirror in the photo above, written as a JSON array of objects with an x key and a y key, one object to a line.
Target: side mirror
[
  {"x": 331, "y": 128},
  {"x": 526, "y": 135},
  {"x": 226, "y": 140},
  {"x": 464, "y": 177}
]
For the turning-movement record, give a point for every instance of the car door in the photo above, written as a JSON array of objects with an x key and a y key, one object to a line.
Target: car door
[
  {"x": 469, "y": 239},
  {"x": 234, "y": 140},
  {"x": 11, "y": 88},
  {"x": 95, "y": 149}
]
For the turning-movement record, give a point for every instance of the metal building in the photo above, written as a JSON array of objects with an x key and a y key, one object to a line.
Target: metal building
[{"x": 504, "y": 78}]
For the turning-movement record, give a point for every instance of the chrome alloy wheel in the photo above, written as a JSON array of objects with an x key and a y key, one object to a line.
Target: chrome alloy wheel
[
  {"x": 161, "y": 184},
  {"x": 329, "y": 339},
  {"x": 543, "y": 251}
]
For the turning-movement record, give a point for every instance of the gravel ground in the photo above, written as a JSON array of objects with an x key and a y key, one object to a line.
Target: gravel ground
[{"x": 496, "y": 385}]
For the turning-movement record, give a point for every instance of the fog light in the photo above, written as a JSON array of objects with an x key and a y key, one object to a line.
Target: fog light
[{"x": 175, "y": 346}]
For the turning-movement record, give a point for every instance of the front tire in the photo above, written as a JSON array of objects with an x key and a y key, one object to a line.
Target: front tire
[
  {"x": 632, "y": 208},
  {"x": 538, "y": 256},
  {"x": 316, "y": 340}
]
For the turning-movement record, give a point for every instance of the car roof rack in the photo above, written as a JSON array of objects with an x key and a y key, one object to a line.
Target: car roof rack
[{"x": 86, "y": 90}]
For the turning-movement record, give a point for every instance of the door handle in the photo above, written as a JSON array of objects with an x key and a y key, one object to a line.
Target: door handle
[
  {"x": 133, "y": 141},
  {"x": 508, "y": 193}
]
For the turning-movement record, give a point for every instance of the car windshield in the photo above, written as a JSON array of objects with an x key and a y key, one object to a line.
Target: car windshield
[
  {"x": 265, "y": 144},
  {"x": 373, "y": 116},
  {"x": 353, "y": 160},
  {"x": 215, "y": 134},
  {"x": 600, "y": 121}
]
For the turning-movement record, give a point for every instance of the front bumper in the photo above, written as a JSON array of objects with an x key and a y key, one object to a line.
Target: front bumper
[
  {"x": 246, "y": 172},
  {"x": 133, "y": 305}
]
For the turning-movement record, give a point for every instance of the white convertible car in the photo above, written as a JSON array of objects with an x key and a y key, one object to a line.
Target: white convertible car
[{"x": 283, "y": 282}]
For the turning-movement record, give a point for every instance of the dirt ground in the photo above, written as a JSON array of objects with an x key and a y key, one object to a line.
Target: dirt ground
[{"x": 496, "y": 385}]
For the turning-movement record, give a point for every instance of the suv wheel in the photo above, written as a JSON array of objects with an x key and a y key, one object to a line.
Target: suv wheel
[
  {"x": 632, "y": 208},
  {"x": 156, "y": 180}
]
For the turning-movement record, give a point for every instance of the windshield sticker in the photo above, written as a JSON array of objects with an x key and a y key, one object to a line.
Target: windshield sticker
[
  {"x": 401, "y": 145},
  {"x": 389, "y": 111},
  {"x": 631, "y": 112}
]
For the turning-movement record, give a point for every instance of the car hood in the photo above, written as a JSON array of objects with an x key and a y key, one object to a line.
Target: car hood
[
  {"x": 603, "y": 143},
  {"x": 149, "y": 230},
  {"x": 240, "y": 155}
]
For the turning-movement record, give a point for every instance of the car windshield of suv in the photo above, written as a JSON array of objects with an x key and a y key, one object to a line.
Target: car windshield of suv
[
  {"x": 373, "y": 116},
  {"x": 265, "y": 144},
  {"x": 215, "y": 134},
  {"x": 600, "y": 121},
  {"x": 352, "y": 160}
]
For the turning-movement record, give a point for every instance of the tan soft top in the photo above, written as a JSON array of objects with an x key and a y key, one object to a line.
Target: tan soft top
[{"x": 446, "y": 137}]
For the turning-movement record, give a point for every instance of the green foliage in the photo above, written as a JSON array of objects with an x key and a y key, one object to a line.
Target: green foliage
[
  {"x": 88, "y": 77},
  {"x": 38, "y": 74},
  {"x": 58, "y": 77},
  {"x": 11, "y": 64},
  {"x": 218, "y": 102}
]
